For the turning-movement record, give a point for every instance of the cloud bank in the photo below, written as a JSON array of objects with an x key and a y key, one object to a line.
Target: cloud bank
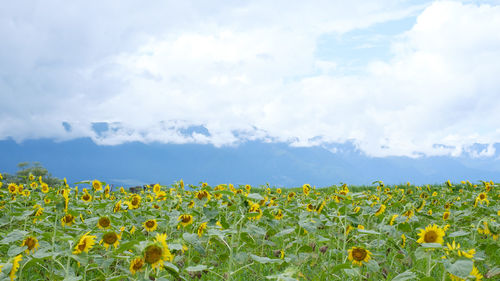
[{"x": 235, "y": 71}]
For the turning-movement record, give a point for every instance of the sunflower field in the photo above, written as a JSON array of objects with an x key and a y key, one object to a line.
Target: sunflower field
[{"x": 87, "y": 231}]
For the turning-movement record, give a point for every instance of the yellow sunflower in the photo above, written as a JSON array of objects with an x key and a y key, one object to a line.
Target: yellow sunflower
[
  {"x": 446, "y": 215},
  {"x": 86, "y": 197},
  {"x": 111, "y": 238},
  {"x": 431, "y": 234},
  {"x": 45, "y": 188},
  {"x": 393, "y": 218},
  {"x": 200, "y": 195},
  {"x": 12, "y": 188},
  {"x": 136, "y": 265},
  {"x": 150, "y": 225},
  {"x": 67, "y": 220},
  {"x": 306, "y": 188},
  {"x": 255, "y": 209},
  {"x": 482, "y": 197},
  {"x": 358, "y": 255},
  {"x": 104, "y": 223},
  {"x": 278, "y": 214},
  {"x": 201, "y": 229},
  {"x": 380, "y": 210},
  {"x": 15, "y": 266},
  {"x": 32, "y": 244},
  {"x": 157, "y": 253},
  {"x": 96, "y": 185},
  {"x": 291, "y": 195},
  {"x": 135, "y": 201},
  {"x": 185, "y": 220},
  {"x": 310, "y": 207},
  {"x": 85, "y": 243},
  {"x": 156, "y": 188}
]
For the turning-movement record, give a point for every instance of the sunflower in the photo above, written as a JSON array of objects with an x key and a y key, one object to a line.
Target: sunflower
[
  {"x": 84, "y": 244},
  {"x": 380, "y": 210},
  {"x": 421, "y": 206},
  {"x": 104, "y": 223},
  {"x": 15, "y": 266},
  {"x": 431, "y": 234},
  {"x": 136, "y": 265},
  {"x": 482, "y": 197},
  {"x": 306, "y": 188},
  {"x": 278, "y": 190},
  {"x": 201, "y": 229},
  {"x": 278, "y": 214},
  {"x": 255, "y": 209},
  {"x": 156, "y": 188},
  {"x": 46, "y": 200},
  {"x": 157, "y": 253},
  {"x": 150, "y": 225},
  {"x": 45, "y": 188},
  {"x": 111, "y": 238},
  {"x": 135, "y": 201},
  {"x": 446, "y": 215},
  {"x": 291, "y": 195},
  {"x": 96, "y": 185},
  {"x": 118, "y": 206},
  {"x": 310, "y": 207},
  {"x": 12, "y": 188},
  {"x": 34, "y": 185},
  {"x": 358, "y": 255},
  {"x": 403, "y": 240},
  {"x": 191, "y": 204},
  {"x": 203, "y": 194},
  {"x": 393, "y": 218},
  {"x": 68, "y": 220},
  {"x": 185, "y": 220},
  {"x": 86, "y": 197},
  {"x": 356, "y": 209},
  {"x": 32, "y": 244}
]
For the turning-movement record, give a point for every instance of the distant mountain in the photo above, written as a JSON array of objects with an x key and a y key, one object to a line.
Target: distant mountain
[{"x": 252, "y": 163}]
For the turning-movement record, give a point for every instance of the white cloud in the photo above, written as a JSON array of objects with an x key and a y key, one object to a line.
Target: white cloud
[{"x": 249, "y": 71}]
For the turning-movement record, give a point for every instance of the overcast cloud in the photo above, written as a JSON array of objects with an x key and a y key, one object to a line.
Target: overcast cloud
[{"x": 248, "y": 70}]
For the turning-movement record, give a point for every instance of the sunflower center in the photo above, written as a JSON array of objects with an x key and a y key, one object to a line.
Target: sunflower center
[
  {"x": 153, "y": 254},
  {"x": 82, "y": 244},
  {"x": 482, "y": 196},
  {"x": 185, "y": 219},
  {"x": 104, "y": 222},
  {"x": 150, "y": 223},
  {"x": 68, "y": 218},
  {"x": 135, "y": 201},
  {"x": 86, "y": 197},
  {"x": 110, "y": 238},
  {"x": 138, "y": 265},
  {"x": 430, "y": 236},
  {"x": 201, "y": 195},
  {"x": 359, "y": 254},
  {"x": 30, "y": 243}
]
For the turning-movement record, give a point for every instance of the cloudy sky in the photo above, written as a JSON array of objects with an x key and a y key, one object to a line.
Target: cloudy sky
[{"x": 393, "y": 77}]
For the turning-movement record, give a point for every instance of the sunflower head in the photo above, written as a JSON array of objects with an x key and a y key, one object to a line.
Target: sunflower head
[
  {"x": 278, "y": 214},
  {"x": 104, "y": 223},
  {"x": 380, "y": 210},
  {"x": 85, "y": 243},
  {"x": 68, "y": 220},
  {"x": 150, "y": 225},
  {"x": 15, "y": 266},
  {"x": 306, "y": 188},
  {"x": 136, "y": 265},
  {"x": 359, "y": 255},
  {"x": 111, "y": 238},
  {"x": 155, "y": 254},
  {"x": 446, "y": 215},
  {"x": 201, "y": 229},
  {"x": 32, "y": 244},
  {"x": 96, "y": 185},
  {"x": 86, "y": 197},
  {"x": 12, "y": 188},
  {"x": 135, "y": 201},
  {"x": 185, "y": 220},
  {"x": 431, "y": 234}
]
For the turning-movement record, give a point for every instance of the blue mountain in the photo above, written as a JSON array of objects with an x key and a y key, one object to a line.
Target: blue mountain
[{"x": 254, "y": 163}]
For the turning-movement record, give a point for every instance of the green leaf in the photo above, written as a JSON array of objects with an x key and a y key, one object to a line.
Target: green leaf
[
  {"x": 255, "y": 196},
  {"x": 432, "y": 245},
  {"x": 458, "y": 233},
  {"x": 264, "y": 260},
  {"x": 15, "y": 250},
  {"x": 367, "y": 231},
  {"x": 407, "y": 275},
  {"x": 284, "y": 232},
  {"x": 340, "y": 266},
  {"x": 195, "y": 268},
  {"x": 16, "y": 235},
  {"x": 352, "y": 272},
  {"x": 492, "y": 272},
  {"x": 461, "y": 268}
]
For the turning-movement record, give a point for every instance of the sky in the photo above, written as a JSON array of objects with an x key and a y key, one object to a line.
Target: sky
[{"x": 393, "y": 78}]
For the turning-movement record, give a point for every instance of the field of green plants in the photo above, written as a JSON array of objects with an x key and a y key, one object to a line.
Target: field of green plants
[{"x": 86, "y": 231}]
